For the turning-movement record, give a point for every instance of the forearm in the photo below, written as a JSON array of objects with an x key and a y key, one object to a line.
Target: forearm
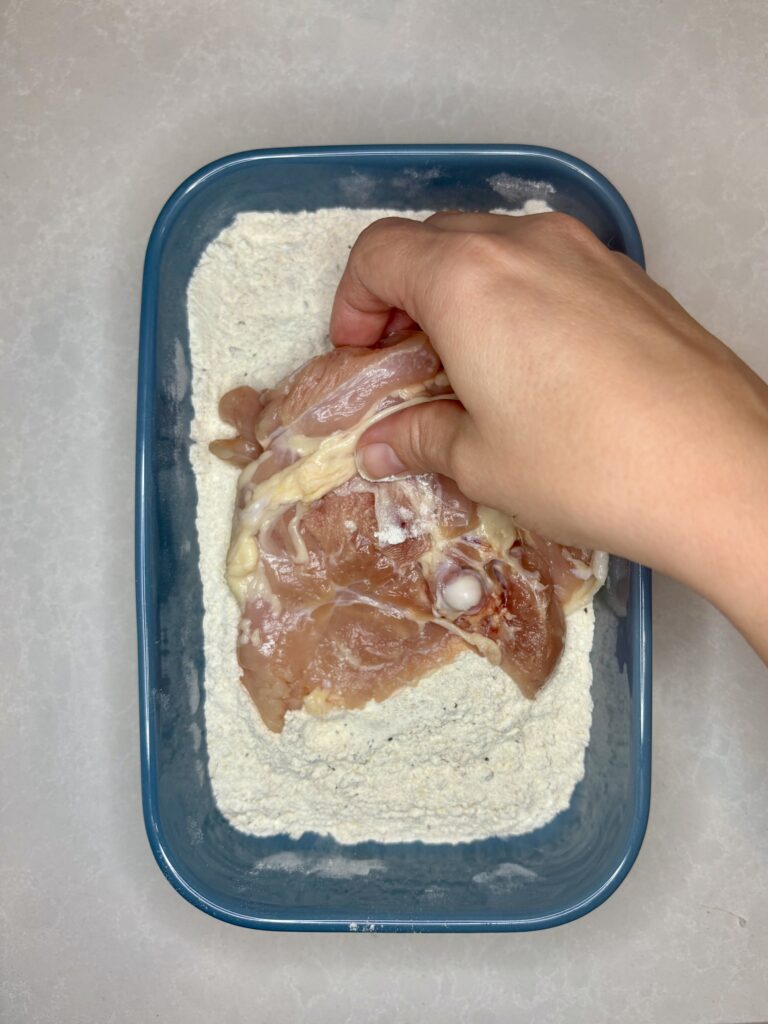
[
  {"x": 735, "y": 575},
  {"x": 718, "y": 523}
]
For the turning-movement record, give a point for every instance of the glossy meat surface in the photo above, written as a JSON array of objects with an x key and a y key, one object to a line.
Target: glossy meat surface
[{"x": 350, "y": 589}]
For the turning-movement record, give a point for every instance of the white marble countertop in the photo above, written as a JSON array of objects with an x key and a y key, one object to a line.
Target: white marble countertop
[{"x": 105, "y": 108}]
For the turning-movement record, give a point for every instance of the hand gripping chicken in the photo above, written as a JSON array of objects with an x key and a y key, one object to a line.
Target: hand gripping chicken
[{"x": 350, "y": 589}]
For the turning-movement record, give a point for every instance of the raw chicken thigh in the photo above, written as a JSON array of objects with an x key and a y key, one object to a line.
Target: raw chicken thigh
[{"x": 349, "y": 589}]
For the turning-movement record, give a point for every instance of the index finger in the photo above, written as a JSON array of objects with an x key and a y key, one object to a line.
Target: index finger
[{"x": 382, "y": 275}]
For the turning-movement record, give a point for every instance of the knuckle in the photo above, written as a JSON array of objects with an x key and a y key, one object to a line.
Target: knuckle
[
  {"x": 464, "y": 466},
  {"x": 563, "y": 225},
  {"x": 475, "y": 255},
  {"x": 485, "y": 247},
  {"x": 418, "y": 440},
  {"x": 442, "y": 217},
  {"x": 384, "y": 248},
  {"x": 383, "y": 228},
  {"x": 388, "y": 231},
  {"x": 437, "y": 442}
]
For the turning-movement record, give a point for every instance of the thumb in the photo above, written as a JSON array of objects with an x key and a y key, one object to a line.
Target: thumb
[{"x": 429, "y": 438}]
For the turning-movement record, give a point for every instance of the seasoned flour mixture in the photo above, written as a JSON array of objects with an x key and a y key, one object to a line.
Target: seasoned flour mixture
[{"x": 461, "y": 756}]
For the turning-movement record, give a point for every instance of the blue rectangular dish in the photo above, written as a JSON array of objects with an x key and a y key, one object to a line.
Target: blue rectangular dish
[{"x": 545, "y": 878}]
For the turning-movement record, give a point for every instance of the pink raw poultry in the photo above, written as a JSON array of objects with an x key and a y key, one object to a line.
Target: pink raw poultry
[{"x": 351, "y": 589}]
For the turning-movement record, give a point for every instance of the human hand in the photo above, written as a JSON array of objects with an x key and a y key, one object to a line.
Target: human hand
[{"x": 592, "y": 406}]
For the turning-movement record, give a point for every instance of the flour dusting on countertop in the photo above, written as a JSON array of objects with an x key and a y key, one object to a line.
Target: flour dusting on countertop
[{"x": 461, "y": 756}]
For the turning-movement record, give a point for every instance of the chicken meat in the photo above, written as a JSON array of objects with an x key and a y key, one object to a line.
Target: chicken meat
[{"x": 350, "y": 589}]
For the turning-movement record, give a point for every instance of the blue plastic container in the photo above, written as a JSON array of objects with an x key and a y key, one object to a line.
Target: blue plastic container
[{"x": 545, "y": 878}]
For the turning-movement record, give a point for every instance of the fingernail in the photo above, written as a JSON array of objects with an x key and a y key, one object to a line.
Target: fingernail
[{"x": 378, "y": 462}]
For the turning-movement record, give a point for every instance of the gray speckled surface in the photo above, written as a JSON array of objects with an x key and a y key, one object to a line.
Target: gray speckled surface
[{"x": 105, "y": 108}]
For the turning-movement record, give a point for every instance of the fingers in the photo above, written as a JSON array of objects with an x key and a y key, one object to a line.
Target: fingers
[
  {"x": 430, "y": 438},
  {"x": 390, "y": 268},
  {"x": 382, "y": 274}
]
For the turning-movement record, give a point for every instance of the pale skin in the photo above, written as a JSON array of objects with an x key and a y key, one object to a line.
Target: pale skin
[{"x": 591, "y": 406}]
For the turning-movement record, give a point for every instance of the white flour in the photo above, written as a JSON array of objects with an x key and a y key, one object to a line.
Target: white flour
[{"x": 461, "y": 756}]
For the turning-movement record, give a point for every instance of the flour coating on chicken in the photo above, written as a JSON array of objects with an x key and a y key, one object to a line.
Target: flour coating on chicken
[{"x": 351, "y": 589}]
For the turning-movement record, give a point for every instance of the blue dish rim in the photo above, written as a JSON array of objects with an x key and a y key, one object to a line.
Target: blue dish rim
[{"x": 640, "y": 576}]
